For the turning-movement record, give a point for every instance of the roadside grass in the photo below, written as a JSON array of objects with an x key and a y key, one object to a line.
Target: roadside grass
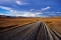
[
  {"x": 15, "y": 22},
  {"x": 53, "y": 23}
]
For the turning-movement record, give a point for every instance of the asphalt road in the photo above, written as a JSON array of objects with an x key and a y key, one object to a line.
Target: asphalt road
[{"x": 34, "y": 31}]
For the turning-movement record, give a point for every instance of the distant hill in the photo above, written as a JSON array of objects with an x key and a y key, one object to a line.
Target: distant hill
[
  {"x": 3, "y": 16},
  {"x": 6, "y": 16}
]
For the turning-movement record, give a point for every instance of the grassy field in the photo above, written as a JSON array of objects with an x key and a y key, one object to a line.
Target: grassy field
[
  {"x": 15, "y": 22},
  {"x": 54, "y": 23}
]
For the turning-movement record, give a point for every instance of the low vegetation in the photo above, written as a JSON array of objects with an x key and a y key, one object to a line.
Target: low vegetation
[
  {"x": 15, "y": 22},
  {"x": 53, "y": 23}
]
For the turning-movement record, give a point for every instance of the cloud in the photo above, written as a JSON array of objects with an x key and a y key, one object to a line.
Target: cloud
[
  {"x": 39, "y": 13},
  {"x": 9, "y": 9},
  {"x": 17, "y": 13},
  {"x": 6, "y": 8},
  {"x": 21, "y": 3},
  {"x": 14, "y": 6},
  {"x": 13, "y": 11},
  {"x": 32, "y": 9},
  {"x": 60, "y": 12},
  {"x": 57, "y": 12},
  {"x": 45, "y": 8},
  {"x": 29, "y": 14},
  {"x": 1, "y": 14},
  {"x": 52, "y": 14},
  {"x": 47, "y": 12}
]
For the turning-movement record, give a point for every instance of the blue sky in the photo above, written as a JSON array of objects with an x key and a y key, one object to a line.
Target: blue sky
[{"x": 30, "y": 8}]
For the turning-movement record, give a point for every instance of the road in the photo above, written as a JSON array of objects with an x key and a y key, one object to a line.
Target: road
[{"x": 34, "y": 31}]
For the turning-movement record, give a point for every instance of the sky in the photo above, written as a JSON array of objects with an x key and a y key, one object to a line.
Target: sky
[{"x": 30, "y": 8}]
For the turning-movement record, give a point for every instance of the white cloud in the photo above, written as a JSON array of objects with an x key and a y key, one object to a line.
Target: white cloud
[
  {"x": 1, "y": 14},
  {"x": 14, "y": 6},
  {"x": 57, "y": 12},
  {"x": 52, "y": 14},
  {"x": 37, "y": 10},
  {"x": 60, "y": 12},
  {"x": 45, "y": 8},
  {"x": 39, "y": 13},
  {"x": 32, "y": 9},
  {"x": 9, "y": 14},
  {"x": 13, "y": 11},
  {"x": 21, "y": 3},
  {"x": 9, "y": 9},
  {"x": 6, "y": 8},
  {"x": 29, "y": 14},
  {"x": 17, "y": 13}
]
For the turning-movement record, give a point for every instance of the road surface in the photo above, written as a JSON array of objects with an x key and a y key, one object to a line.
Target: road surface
[{"x": 34, "y": 31}]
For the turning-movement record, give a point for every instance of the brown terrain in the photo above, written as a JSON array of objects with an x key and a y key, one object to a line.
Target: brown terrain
[
  {"x": 15, "y": 22},
  {"x": 53, "y": 23}
]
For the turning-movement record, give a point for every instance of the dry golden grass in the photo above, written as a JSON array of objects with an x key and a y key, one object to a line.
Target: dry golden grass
[
  {"x": 15, "y": 22},
  {"x": 54, "y": 23}
]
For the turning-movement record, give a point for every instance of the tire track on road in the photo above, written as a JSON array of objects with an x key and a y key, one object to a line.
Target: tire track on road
[{"x": 50, "y": 34}]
